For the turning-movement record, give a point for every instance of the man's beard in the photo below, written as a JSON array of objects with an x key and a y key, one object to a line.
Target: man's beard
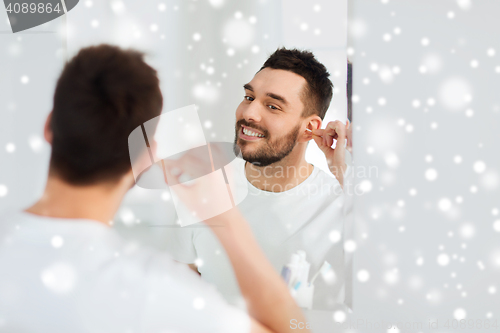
[{"x": 272, "y": 151}]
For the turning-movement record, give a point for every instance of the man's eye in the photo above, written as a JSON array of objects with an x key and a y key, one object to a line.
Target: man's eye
[
  {"x": 273, "y": 107},
  {"x": 248, "y": 98}
]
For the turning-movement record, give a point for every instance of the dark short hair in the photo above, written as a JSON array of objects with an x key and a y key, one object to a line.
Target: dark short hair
[
  {"x": 103, "y": 94},
  {"x": 318, "y": 93}
]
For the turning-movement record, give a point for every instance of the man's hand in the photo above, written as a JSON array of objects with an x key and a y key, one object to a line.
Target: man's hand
[
  {"x": 202, "y": 190},
  {"x": 335, "y": 130}
]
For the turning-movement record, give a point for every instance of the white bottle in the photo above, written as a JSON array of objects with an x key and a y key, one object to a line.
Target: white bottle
[
  {"x": 304, "y": 291},
  {"x": 294, "y": 269},
  {"x": 304, "y": 266}
]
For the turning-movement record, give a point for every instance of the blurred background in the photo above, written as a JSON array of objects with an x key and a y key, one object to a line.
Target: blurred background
[{"x": 425, "y": 116}]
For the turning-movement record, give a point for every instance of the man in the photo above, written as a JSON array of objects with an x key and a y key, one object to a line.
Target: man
[
  {"x": 291, "y": 205},
  {"x": 65, "y": 270}
]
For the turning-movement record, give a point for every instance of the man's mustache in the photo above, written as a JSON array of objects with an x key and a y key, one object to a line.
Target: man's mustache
[{"x": 252, "y": 125}]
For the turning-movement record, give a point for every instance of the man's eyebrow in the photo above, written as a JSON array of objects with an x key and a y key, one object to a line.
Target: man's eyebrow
[
  {"x": 277, "y": 97},
  {"x": 273, "y": 96}
]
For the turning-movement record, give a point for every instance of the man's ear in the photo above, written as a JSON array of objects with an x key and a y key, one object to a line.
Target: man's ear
[
  {"x": 312, "y": 122},
  {"x": 47, "y": 130}
]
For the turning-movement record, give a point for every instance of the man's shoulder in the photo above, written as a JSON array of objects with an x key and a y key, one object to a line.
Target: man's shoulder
[
  {"x": 10, "y": 216},
  {"x": 324, "y": 177},
  {"x": 324, "y": 184},
  {"x": 87, "y": 244}
]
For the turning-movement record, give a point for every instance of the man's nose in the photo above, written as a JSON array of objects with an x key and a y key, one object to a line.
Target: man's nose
[{"x": 252, "y": 112}]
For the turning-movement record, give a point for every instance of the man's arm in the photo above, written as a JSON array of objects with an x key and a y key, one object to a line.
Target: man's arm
[
  {"x": 255, "y": 326},
  {"x": 268, "y": 299}
]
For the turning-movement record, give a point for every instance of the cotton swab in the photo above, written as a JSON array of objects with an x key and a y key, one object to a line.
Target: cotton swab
[{"x": 307, "y": 129}]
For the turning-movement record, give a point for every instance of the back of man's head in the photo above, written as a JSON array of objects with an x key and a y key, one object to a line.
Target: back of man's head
[
  {"x": 103, "y": 94},
  {"x": 318, "y": 92}
]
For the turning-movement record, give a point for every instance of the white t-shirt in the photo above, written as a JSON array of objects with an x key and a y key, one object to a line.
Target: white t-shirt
[
  {"x": 308, "y": 217},
  {"x": 74, "y": 275}
]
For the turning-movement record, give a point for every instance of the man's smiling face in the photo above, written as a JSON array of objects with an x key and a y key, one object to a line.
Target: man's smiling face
[{"x": 269, "y": 119}]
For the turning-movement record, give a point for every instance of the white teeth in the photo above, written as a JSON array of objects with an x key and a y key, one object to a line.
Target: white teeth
[{"x": 250, "y": 133}]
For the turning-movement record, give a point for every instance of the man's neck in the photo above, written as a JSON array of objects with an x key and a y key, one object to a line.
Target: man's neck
[
  {"x": 94, "y": 202},
  {"x": 280, "y": 176}
]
